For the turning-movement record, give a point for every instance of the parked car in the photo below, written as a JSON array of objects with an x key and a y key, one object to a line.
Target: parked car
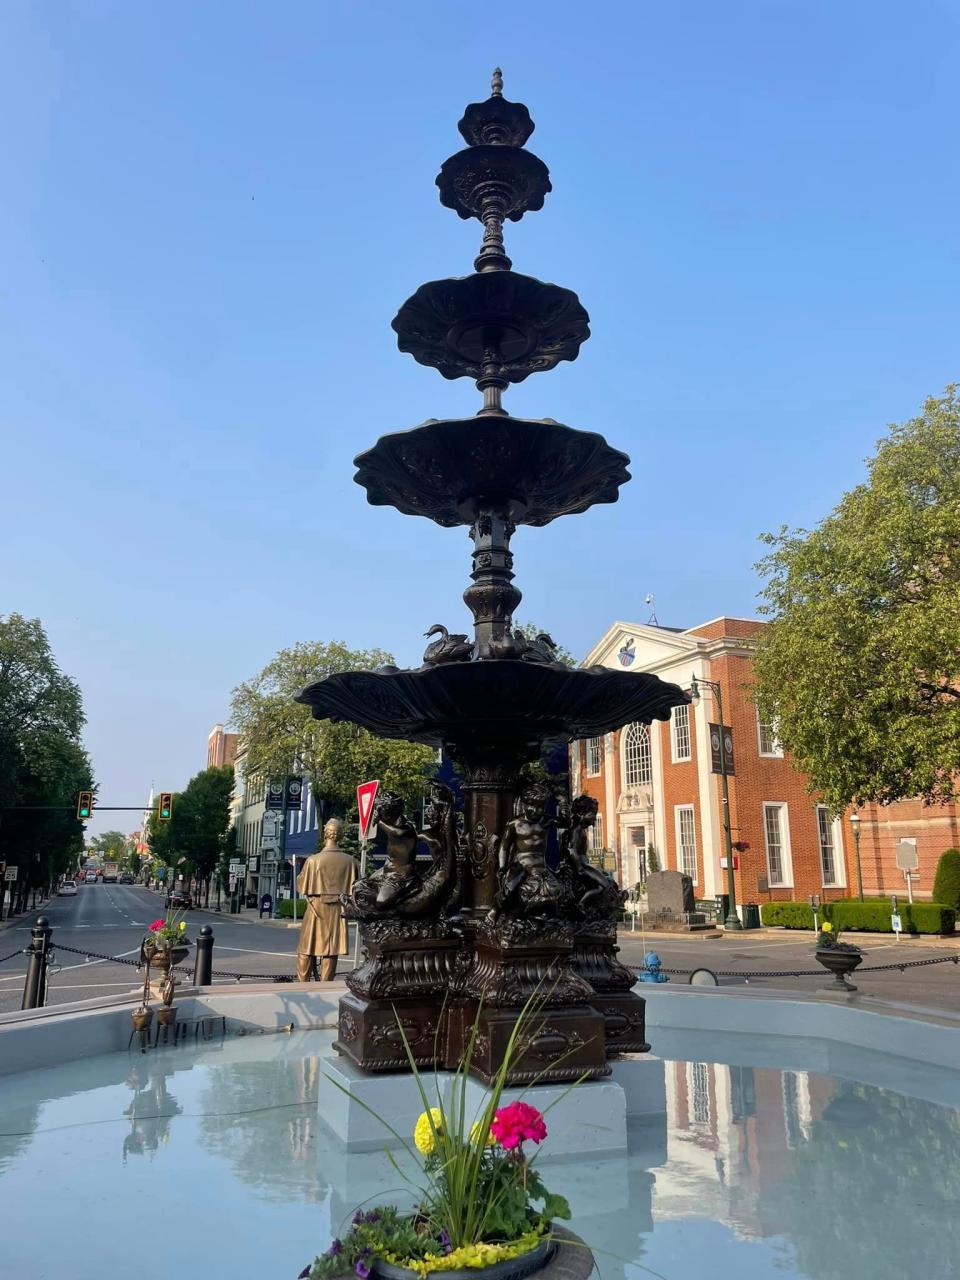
[
  {"x": 126, "y": 878},
  {"x": 67, "y": 889},
  {"x": 179, "y": 899}
]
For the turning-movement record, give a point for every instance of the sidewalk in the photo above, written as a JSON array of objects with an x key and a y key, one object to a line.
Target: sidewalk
[{"x": 779, "y": 934}]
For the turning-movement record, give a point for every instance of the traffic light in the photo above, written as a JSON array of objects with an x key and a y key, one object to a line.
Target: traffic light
[
  {"x": 165, "y": 807},
  {"x": 84, "y": 805}
]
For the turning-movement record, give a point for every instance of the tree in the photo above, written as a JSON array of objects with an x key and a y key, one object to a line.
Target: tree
[
  {"x": 859, "y": 668},
  {"x": 281, "y": 736},
  {"x": 42, "y": 761},
  {"x": 112, "y": 846},
  {"x": 653, "y": 862},
  {"x": 199, "y": 822},
  {"x": 946, "y": 883}
]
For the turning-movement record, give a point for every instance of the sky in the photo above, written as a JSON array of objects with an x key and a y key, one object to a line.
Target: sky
[{"x": 212, "y": 210}]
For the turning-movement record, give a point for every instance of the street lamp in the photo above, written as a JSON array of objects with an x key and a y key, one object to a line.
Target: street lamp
[
  {"x": 732, "y": 921},
  {"x": 855, "y": 824}
]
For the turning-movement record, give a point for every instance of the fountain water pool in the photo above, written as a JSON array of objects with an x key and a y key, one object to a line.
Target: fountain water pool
[{"x": 210, "y": 1160}]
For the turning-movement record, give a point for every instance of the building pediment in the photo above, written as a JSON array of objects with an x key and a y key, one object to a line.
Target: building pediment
[{"x": 641, "y": 647}]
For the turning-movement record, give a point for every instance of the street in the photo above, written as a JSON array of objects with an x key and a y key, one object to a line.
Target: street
[{"x": 111, "y": 919}]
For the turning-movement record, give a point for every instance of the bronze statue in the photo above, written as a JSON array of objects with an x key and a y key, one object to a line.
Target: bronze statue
[
  {"x": 323, "y": 935},
  {"x": 449, "y": 648},
  {"x": 526, "y": 882},
  {"x": 398, "y": 888},
  {"x": 592, "y": 888}
]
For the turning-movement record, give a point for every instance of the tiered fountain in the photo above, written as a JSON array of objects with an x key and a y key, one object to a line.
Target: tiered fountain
[{"x": 491, "y": 922}]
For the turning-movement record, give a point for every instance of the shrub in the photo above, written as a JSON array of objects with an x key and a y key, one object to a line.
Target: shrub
[
  {"x": 874, "y": 914},
  {"x": 285, "y": 908},
  {"x": 946, "y": 883},
  {"x": 791, "y": 915}
]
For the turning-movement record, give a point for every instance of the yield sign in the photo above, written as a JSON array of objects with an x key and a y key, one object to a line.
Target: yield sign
[{"x": 366, "y": 794}]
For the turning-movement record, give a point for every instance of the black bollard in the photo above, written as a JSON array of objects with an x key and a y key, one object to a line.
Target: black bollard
[
  {"x": 35, "y": 987},
  {"x": 203, "y": 972}
]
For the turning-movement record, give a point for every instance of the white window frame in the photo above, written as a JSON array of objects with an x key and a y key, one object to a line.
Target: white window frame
[
  {"x": 680, "y": 718},
  {"x": 836, "y": 837},
  {"x": 636, "y": 749},
  {"x": 786, "y": 859},
  {"x": 776, "y": 751},
  {"x": 593, "y": 773},
  {"x": 678, "y": 810}
]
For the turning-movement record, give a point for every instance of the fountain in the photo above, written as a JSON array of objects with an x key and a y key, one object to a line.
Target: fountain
[{"x": 491, "y": 923}]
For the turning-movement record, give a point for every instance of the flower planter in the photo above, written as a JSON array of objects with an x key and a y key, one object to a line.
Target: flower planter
[
  {"x": 142, "y": 1018},
  {"x": 839, "y": 963},
  {"x": 509, "y": 1269}
]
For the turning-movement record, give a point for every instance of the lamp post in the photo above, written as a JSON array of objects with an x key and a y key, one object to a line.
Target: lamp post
[
  {"x": 855, "y": 824},
  {"x": 732, "y": 921}
]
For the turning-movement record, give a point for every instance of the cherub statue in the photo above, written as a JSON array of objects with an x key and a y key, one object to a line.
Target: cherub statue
[
  {"x": 525, "y": 879},
  {"x": 398, "y": 888},
  {"x": 591, "y": 886}
]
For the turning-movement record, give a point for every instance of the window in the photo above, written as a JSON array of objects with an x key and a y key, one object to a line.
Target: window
[
  {"x": 767, "y": 738},
  {"x": 686, "y": 841},
  {"x": 700, "y": 1093},
  {"x": 681, "y": 733},
  {"x": 596, "y": 833},
  {"x": 777, "y": 838},
  {"x": 593, "y": 757},
  {"x": 636, "y": 755},
  {"x": 827, "y": 832}
]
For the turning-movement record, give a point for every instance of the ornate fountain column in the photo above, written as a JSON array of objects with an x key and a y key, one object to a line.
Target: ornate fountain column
[{"x": 505, "y": 925}]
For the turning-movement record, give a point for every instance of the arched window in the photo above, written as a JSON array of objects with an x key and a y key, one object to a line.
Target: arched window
[{"x": 636, "y": 755}]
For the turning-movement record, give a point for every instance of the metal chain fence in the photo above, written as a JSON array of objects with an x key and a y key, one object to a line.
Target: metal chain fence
[{"x": 799, "y": 973}]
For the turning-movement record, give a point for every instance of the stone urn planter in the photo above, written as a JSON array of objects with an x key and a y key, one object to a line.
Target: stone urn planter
[{"x": 839, "y": 961}]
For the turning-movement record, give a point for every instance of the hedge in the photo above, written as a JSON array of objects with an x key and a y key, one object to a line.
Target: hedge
[
  {"x": 791, "y": 915},
  {"x": 285, "y": 908},
  {"x": 946, "y": 883},
  {"x": 872, "y": 914}
]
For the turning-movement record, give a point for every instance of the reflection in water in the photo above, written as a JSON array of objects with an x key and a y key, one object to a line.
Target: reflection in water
[
  {"x": 854, "y": 1180},
  {"x": 151, "y": 1108},
  {"x": 770, "y": 1171}
]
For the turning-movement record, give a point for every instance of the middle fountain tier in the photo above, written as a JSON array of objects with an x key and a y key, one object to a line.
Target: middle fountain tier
[{"x": 493, "y": 921}]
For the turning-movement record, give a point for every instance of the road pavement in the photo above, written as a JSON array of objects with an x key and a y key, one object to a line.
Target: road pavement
[{"x": 111, "y": 919}]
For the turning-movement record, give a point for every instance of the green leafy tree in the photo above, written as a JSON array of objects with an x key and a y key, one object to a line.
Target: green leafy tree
[
  {"x": 860, "y": 666},
  {"x": 281, "y": 736},
  {"x": 653, "y": 861},
  {"x": 946, "y": 883},
  {"x": 42, "y": 760},
  {"x": 111, "y": 846},
  {"x": 199, "y": 822}
]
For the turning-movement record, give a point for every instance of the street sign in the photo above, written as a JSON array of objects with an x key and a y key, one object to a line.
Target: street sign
[
  {"x": 235, "y": 867},
  {"x": 896, "y": 923},
  {"x": 366, "y": 794},
  {"x": 10, "y": 873},
  {"x": 270, "y": 826},
  {"x": 907, "y": 857}
]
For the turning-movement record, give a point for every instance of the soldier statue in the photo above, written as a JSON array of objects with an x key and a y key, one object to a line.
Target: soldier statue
[{"x": 323, "y": 936}]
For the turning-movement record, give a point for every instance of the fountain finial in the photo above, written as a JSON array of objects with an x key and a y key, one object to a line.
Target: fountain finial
[{"x": 496, "y": 83}]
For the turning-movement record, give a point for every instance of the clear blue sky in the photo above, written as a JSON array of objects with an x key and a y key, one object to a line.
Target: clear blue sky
[{"x": 211, "y": 212}]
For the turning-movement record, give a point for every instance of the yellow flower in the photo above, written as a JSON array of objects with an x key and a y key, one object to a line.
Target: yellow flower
[
  {"x": 476, "y": 1135},
  {"x": 424, "y": 1133},
  {"x": 826, "y": 927},
  {"x": 183, "y": 926}
]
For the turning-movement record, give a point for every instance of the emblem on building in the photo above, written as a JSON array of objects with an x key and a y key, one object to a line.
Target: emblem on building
[{"x": 627, "y": 654}]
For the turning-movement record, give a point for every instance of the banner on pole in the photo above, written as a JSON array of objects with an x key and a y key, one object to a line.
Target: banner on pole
[{"x": 366, "y": 794}]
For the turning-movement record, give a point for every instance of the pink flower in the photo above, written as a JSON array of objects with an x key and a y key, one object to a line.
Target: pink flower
[
  {"x": 157, "y": 926},
  {"x": 517, "y": 1123}
]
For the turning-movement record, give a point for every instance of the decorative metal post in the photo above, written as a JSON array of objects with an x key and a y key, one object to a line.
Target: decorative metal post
[
  {"x": 35, "y": 986},
  {"x": 202, "y": 975},
  {"x": 855, "y": 824},
  {"x": 732, "y": 921}
]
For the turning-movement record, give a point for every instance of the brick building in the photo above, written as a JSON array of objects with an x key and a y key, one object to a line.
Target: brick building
[
  {"x": 660, "y": 785},
  {"x": 221, "y": 747}
]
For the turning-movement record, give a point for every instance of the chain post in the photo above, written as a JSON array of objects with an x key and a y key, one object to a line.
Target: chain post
[
  {"x": 35, "y": 986},
  {"x": 202, "y": 974}
]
